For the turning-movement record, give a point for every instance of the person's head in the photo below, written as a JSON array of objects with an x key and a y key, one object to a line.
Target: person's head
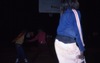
[
  {"x": 29, "y": 34},
  {"x": 74, "y": 4}
]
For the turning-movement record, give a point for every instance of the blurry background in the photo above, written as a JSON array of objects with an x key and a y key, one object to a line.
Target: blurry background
[
  {"x": 32, "y": 14},
  {"x": 17, "y": 15}
]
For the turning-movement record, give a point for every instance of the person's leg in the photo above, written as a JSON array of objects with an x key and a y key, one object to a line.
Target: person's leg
[
  {"x": 23, "y": 55},
  {"x": 38, "y": 52},
  {"x": 20, "y": 53}
]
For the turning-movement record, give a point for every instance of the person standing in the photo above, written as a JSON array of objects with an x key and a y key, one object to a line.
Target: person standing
[
  {"x": 19, "y": 40},
  {"x": 40, "y": 38},
  {"x": 69, "y": 45}
]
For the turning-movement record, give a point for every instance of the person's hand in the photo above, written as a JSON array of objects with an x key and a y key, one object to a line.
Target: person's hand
[
  {"x": 29, "y": 40},
  {"x": 81, "y": 56}
]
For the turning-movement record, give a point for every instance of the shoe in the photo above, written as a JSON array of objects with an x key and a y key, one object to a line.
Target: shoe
[
  {"x": 26, "y": 61},
  {"x": 17, "y": 60}
]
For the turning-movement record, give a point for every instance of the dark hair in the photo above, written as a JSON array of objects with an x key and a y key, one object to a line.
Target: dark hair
[{"x": 74, "y": 4}]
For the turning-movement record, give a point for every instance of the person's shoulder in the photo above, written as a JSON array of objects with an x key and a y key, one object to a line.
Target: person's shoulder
[
  {"x": 67, "y": 12},
  {"x": 78, "y": 11}
]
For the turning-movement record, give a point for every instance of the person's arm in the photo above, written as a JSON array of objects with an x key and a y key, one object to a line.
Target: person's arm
[
  {"x": 81, "y": 47},
  {"x": 33, "y": 39},
  {"x": 79, "y": 41}
]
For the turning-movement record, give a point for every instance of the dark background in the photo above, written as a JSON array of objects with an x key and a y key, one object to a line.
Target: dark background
[{"x": 17, "y": 15}]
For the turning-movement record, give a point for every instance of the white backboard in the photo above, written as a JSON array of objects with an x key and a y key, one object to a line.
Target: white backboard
[{"x": 45, "y": 6}]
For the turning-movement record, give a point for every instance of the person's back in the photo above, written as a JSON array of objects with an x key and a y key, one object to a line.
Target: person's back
[
  {"x": 68, "y": 44},
  {"x": 67, "y": 24},
  {"x": 20, "y": 38},
  {"x": 41, "y": 37}
]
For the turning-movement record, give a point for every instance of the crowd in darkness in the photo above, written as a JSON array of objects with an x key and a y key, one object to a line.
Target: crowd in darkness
[{"x": 17, "y": 15}]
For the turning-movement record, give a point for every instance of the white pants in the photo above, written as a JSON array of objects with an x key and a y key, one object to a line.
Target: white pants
[{"x": 67, "y": 53}]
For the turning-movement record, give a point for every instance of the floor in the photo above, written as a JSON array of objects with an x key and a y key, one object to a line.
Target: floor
[{"x": 46, "y": 55}]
